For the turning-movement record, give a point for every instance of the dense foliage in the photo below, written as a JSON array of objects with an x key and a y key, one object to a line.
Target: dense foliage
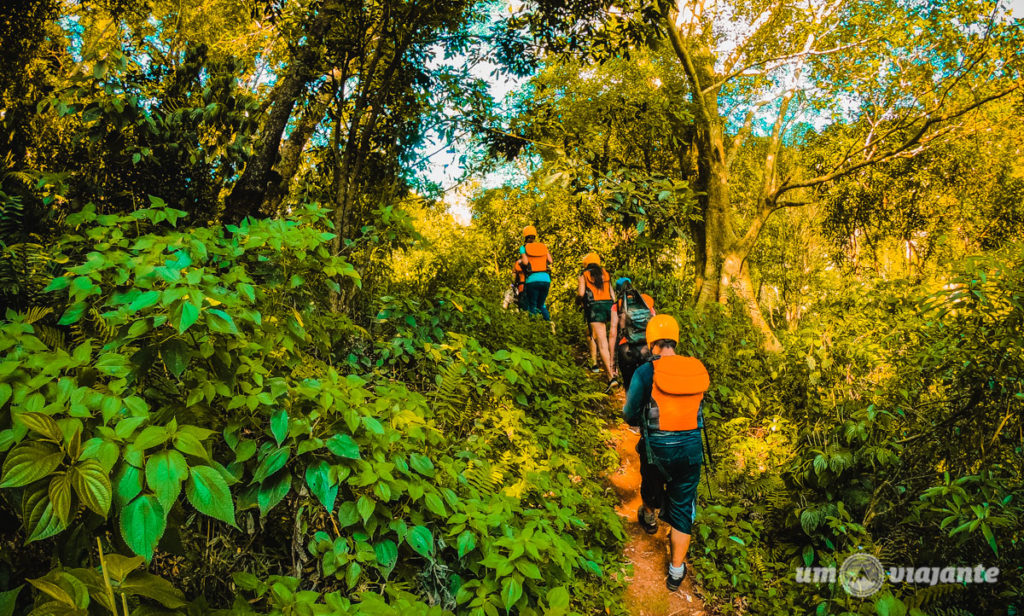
[{"x": 250, "y": 362}]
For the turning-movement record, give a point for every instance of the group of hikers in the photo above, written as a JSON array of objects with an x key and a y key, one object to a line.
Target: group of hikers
[{"x": 664, "y": 391}]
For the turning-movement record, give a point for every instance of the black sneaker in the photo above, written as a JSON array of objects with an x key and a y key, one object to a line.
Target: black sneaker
[
  {"x": 647, "y": 520},
  {"x": 672, "y": 583}
]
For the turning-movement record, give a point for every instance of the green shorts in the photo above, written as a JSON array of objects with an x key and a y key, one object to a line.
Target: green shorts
[{"x": 600, "y": 311}]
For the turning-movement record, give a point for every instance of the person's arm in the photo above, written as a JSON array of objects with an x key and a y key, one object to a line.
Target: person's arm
[
  {"x": 639, "y": 392},
  {"x": 613, "y": 328},
  {"x": 582, "y": 288}
]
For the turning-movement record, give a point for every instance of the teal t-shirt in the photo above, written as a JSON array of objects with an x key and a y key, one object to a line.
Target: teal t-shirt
[{"x": 535, "y": 276}]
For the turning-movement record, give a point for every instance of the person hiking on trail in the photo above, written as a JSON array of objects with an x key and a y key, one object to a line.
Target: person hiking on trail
[
  {"x": 595, "y": 288},
  {"x": 664, "y": 400},
  {"x": 517, "y": 290},
  {"x": 627, "y": 338},
  {"x": 535, "y": 261}
]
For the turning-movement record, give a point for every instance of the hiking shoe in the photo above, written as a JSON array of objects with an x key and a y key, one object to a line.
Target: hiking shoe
[
  {"x": 647, "y": 520},
  {"x": 672, "y": 583},
  {"x": 612, "y": 384},
  {"x": 595, "y": 369}
]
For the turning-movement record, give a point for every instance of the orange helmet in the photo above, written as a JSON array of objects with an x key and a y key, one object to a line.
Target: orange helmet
[
  {"x": 591, "y": 259},
  {"x": 529, "y": 230},
  {"x": 662, "y": 327}
]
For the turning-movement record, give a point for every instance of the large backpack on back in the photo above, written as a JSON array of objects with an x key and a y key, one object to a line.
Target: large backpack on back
[{"x": 638, "y": 314}]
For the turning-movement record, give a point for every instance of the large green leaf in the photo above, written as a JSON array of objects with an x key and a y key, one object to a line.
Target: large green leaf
[
  {"x": 209, "y": 494},
  {"x": 8, "y": 599},
  {"x": 466, "y": 543},
  {"x": 272, "y": 491},
  {"x": 189, "y": 315},
  {"x": 421, "y": 464},
  {"x": 59, "y": 493},
  {"x": 176, "y": 355},
  {"x": 153, "y": 587},
  {"x": 43, "y": 424},
  {"x": 319, "y": 482},
  {"x": 129, "y": 484},
  {"x": 118, "y": 567},
  {"x": 38, "y": 516},
  {"x": 279, "y": 425},
  {"x": 165, "y": 472},
  {"x": 142, "y": 524},
  {"x": 92, "y": 485},
  {"x": 344, "y": 446},
  {"x": 29, "y": 462},
  {"x": 144, "y": 300},
  {"x": 511, "y": 591},
  {"x": 273, "y": 462},
  {"x": 421, "y": 540},
  {"x": 387, "y": 555}
]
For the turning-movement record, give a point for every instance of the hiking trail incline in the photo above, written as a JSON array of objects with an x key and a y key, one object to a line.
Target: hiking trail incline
[{"x": 646, "y": 594}]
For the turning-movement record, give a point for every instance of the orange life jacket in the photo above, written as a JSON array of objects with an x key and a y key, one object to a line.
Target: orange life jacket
[
  {"x": 679, "y": 386},
  {"x": 537, "y": 254},
  {"x": 602, "y": 293},
  {"x": 520, "y": 276}
]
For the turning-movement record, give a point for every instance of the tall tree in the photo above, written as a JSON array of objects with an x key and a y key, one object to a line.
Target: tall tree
[{"x": 900, "y": 76}]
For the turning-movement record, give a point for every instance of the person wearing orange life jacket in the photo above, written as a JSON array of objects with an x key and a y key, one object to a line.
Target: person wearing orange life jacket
[
  {"x": 664, "y": 399},
  {"x": 517, "y": 290},
  {"x": 630, "y": 315},
  {"x": 536, "y": 262},
  {"x": 595, "y": 287}
]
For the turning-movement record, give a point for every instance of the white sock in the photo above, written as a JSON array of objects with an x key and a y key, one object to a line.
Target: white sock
[{"x": 676, "y": 572}]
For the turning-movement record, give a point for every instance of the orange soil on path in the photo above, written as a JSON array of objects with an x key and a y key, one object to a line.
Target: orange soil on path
[{"x": 646, "y": 594}]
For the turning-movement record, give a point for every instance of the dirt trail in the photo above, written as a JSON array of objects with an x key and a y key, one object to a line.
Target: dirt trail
[{"x": 646, "y": 595}]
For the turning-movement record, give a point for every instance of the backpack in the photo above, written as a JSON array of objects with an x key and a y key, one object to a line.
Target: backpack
[
  {"x": 637, "y": 316},
  {"x": 594, "y": 292}
]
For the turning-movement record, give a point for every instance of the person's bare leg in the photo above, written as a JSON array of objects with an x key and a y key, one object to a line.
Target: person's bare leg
[
  {"x": 680, "y": 543},
  {"x": 601, "y": 335},
  {"x": 593, "y": 347}
]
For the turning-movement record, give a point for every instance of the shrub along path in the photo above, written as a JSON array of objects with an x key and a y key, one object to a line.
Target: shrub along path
[{"x": 646, "y": 594}]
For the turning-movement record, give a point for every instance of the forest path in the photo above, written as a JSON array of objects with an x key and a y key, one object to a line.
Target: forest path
[{"x": 646, "y": 594}]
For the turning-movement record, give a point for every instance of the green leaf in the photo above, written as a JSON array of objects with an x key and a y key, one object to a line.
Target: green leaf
[
  {"x": 220, "y": 322},
  {"x": 737, "y": 540},
  {"x": 421, "y": 464},
  {"x": 129, "y": 484},
  {"x": 558, "y": 597},
  {"x": 142, "y": 525},
  {"x": 421, "y": 540},
  {"x": 151, "y": 436},
  {"x": 279, "y": 425},
  {"x": 511, "y": 591},
  {"x": 365, "y": 507},
  {"x": 344, "y": 446},
  {"x": 59, "y": 493},
  {"x": 43, "y": 424},
  {"x": 92, "y": 485},
  {"x": 272, "y": 491},
  {"x": 273, "y": 462},
  {"x": 985, "y": 530},
  {"x": 189, "y": 316},
  {"x": 61, "y": 282},
  {"x": 165, "y": 472},
  {"x": 319, "y": 482},
  {"x": 466, "y": 543},
  {"x": 144, "y": 300},
  {"x": 72, "y": 314},
  {"x": 434, "y": 504},
  {"x": 8, "y": 599},
  {"x": 347, "y": 514},
  {"x": 209, "y": 494},
  {"x": 176, "y": 355},
  {"x": 154, "y": 587},
  {"x": 188, "y": 443},
  {"x": 119, "y": 566},
  {"x": 387, "y": 555},
  {"x": 29, "y": 462},
  {"x": 38, "y": 515},
  {"x": 352, "y": 575}
]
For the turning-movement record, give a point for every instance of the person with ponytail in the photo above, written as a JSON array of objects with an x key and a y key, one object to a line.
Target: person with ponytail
[
  {"x": 536, "y": 263},
  {"x": 595, "y": 288}
]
